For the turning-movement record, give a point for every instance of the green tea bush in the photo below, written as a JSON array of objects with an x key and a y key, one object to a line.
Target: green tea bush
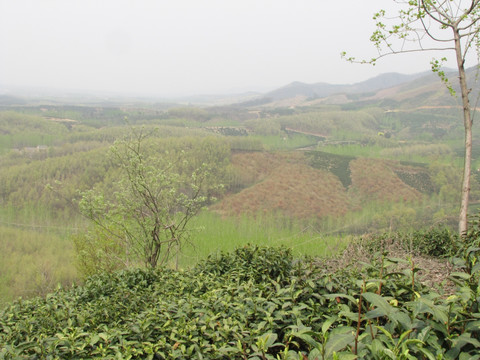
[
  {"x": 255, "y": 263},
  {"x": 437, "y": 241},
  {"x": 255, "y": 303}
]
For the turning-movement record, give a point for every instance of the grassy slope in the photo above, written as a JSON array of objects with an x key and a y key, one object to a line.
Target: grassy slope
[{"x": 33, "y": 262}]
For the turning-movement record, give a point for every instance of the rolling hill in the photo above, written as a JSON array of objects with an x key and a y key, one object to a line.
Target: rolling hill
[
  {"x": 305, "y": 185},
  {"x": 322, "y": 90},
  {"x": 401, "y": 90}
]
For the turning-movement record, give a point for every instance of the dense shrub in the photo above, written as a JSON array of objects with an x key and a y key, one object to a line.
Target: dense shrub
[
  {"x": 254, "y": 303},
  {"x": 255, "y": 263},
  {"x": 438, "y": 242}
]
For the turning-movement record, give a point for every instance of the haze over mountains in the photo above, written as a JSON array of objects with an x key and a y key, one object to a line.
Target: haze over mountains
[
  {"x": 389, "y": 85},
  {"x": 319, "y": 90}
]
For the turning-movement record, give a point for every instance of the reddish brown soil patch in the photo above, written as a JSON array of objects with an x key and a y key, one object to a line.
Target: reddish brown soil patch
[
  {"x": 295, "y": 190},
  {"x": 253, "y": 167},
  {"x": 373, "y": 179},
  {"x": 285, "y": 183}
]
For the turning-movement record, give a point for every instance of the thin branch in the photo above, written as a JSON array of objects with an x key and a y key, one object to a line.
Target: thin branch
[
  {"x": 468, "y": 46},
  {"x": 471, "y": 33},
  {"x": 393, "y": 52},
  {"x": 474, "y": 21},
  {"x": 438, "y": 11},
  {"x": 427, "y": 28},
  {"x": 430, "y": 35}
]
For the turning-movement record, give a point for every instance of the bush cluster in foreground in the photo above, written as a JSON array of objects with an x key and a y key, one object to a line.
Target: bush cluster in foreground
[{"x": 253, "y": 303}]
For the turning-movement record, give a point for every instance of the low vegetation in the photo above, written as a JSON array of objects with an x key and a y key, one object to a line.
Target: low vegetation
[
  {"x": 260, "y": 303},
  {"x": 29, "y": 267}
]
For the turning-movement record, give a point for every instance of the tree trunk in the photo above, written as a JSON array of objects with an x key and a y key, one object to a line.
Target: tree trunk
[
  {"x": 467, "y": 119},
  {"x": 155, "y": 248}
]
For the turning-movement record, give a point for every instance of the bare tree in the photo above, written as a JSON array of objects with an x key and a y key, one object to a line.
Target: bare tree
[{"x": 436, "y": 25}]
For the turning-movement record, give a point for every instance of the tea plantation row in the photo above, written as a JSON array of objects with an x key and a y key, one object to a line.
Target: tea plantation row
[{"x": 254, "y": 303}]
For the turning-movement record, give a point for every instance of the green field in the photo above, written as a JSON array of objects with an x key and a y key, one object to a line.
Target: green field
[{"x": 216, "y": 234}]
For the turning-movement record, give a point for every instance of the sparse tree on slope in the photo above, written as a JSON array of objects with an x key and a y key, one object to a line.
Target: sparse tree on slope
[
  {"x": 160, "y": 187},
  {"x": 436, "y": 25}
]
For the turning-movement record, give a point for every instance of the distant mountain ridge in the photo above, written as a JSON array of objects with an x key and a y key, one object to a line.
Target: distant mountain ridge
[
  {"x": 390, "y": 89},
  {"x": 320, "y": 90},
  {"x": 390, "y": 85}
]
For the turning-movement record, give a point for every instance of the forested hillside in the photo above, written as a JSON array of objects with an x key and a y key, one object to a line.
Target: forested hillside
[{"x": 307, "y": 175}]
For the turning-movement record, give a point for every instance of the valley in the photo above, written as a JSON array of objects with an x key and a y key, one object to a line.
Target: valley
[{"x": 308, "y": 174}]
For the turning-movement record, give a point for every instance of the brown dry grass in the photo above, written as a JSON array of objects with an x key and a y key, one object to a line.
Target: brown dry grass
[
  {"x": 434, "y": 272},
  {"x": 373, "y": 179},
  {"x": 283, "y": 182},
  {"x": 285, "y": 185},
  {"x": 254, "y": 166}
]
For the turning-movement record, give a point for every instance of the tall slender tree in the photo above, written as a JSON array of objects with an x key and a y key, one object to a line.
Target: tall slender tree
[{"x": 436, "y": 25}]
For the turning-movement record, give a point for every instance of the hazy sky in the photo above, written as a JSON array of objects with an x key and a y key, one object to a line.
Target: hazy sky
[{"x": 187, "y": 47}]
